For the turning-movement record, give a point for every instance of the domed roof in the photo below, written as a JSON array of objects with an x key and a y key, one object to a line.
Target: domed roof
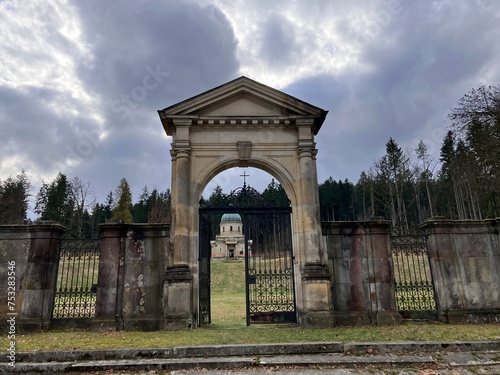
[{"x": 230, "y": 218}]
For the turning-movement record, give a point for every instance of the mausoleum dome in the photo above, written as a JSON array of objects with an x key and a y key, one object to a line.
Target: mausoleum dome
[{"x": 233, "y": 218}]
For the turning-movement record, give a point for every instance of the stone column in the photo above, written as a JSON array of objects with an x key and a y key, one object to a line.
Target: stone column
[
  {"x": 110, "y": 278},
  {"x": 178, "y": 295},
  {"x": 314, "y": 306},
  {"x": 39, "y": 284},
  {"x": 465, "y": 266},
  {"x": 363, "y": 290}
]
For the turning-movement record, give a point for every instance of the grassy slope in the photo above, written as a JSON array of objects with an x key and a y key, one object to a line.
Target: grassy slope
[{"x": 228, "y": 293}]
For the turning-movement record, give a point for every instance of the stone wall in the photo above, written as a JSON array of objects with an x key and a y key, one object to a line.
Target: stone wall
[
  {"x": 131, "y": 274},
  {"x": 465, "y": 264},
  {"x": 362, "y": 272}
]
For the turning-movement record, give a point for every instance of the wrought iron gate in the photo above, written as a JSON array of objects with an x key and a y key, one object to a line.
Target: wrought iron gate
[
  {"x": 204, "y": 272},
  {"x": 76, "y": 287},
  {"x": 415, "y": 296},
  {"x": 269, "y": 272},
  {"x": 269, "y": 275}
]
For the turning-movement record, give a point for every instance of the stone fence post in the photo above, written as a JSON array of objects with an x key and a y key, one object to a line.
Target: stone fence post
[
  {"x": 363, "y": 290},
  {"x": 34, "y": 252},
  {"x": 465, "y": 265},
  {"x": 131, "y": 273},
  {"x": 15, "y": 243}
]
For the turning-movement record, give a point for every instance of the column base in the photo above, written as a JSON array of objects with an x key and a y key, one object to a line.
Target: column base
[
  {"x": 177, "y": 297},
  {"x": 145, "y": 324},
  {"x": 321, "y": 319},
  {"x": 174, "y": 323},
  {"x": 31, "y": 325},
  {"x": 352, "y": 318}
]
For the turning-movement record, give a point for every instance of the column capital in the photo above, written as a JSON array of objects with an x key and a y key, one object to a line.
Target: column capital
[
  {"x": 304, "y": 121},
  {"x": 182, "y": 121},
  {"x": 307, "y": 150},
  {"x": 181, "y": 149}
]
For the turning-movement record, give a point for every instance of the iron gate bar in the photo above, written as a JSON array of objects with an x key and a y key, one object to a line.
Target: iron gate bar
[
  {"x": 204, "y": 258},
  {"x": 76, "y": 284}
]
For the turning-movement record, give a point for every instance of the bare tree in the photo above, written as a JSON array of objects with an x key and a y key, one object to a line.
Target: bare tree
[{"x": 82, "y": 194}]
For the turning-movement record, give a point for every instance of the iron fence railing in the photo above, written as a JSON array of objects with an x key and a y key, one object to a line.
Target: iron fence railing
[
  {"x": 75, "y": 295},
  {"x": 412, "y": 272}
]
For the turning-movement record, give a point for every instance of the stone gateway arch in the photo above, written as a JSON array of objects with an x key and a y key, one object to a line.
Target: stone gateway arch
[{"x": 244, "y": 123}]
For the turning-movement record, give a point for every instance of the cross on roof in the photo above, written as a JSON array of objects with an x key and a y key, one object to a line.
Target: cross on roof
[{"x": 244, "y": 175}]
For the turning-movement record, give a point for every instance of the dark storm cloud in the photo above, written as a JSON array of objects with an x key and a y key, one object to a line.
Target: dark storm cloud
[
  {"x": 147, "y": 58},
  {"x": 193, "y": 46},
  {"x": 34, "y": 130}
]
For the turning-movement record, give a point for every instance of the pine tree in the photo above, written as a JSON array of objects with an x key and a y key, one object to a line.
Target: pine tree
[
  {"x": 275, "y": 195},
  {"x": 122, "y": 211},
  {"x": 54, "y": 201},
  {"x": 160, "y": 207},
  {"x": 14, "y": 194}
]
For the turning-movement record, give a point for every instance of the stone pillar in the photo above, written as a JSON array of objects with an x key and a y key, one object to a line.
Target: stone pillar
[
  {"x": 178, "y": 287},
  {"x": 130, "y": 283},
  {"x": 14, "y": 249},
  {"x": 465, "y": 266},
  {"x": 110, "y": 278},
  {"x": 40, "y": 278},
  {"x": 314, "y": 298},
  {"x": 363, "y": 289},
  {"x": 143, "y": 276}
]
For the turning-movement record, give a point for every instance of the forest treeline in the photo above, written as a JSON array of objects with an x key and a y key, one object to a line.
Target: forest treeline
[
  {"x": 72, "y": 204},
  {"x": 407, "y": 187},
  {"x": 403, "y": 186}
]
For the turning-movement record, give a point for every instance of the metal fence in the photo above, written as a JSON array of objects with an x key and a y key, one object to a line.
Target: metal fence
[
  {"x": 75, "y": 295},
  {"x": 413, "y": 278}
]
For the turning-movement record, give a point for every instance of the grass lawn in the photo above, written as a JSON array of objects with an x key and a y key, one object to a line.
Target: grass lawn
[
  {"x": 219, "y": 334},
  {"x": 229, "y": 327}
]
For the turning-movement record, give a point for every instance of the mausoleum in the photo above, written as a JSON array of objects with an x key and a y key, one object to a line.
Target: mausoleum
[{"x": 230, "y": 242}]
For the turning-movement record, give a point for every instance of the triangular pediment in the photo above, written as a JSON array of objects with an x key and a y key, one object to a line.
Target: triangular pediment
[
  {"x": 242, "y": 97},
  {"x": 244, "y": 105}
]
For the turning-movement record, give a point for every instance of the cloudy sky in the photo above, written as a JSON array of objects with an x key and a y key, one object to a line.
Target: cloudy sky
[{"x": 81, "y": 81}]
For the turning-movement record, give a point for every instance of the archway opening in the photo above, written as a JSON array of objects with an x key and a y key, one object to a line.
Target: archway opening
[{"x": 246, "y": 267}]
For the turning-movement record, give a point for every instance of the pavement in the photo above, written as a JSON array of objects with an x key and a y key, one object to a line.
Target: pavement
[{"x": 458, "y": 357}]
